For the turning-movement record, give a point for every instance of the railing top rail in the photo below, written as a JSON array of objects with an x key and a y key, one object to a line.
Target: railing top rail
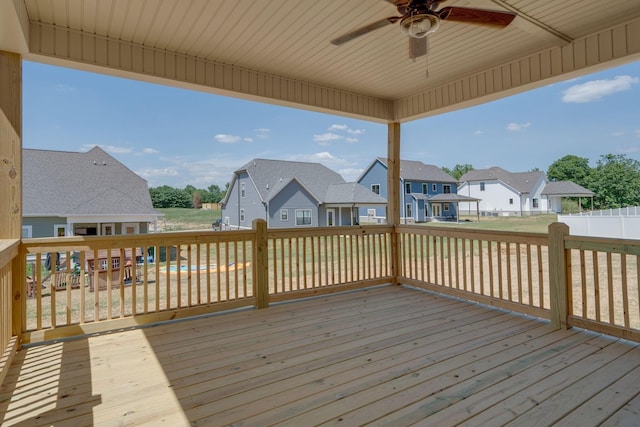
[
  {"x": 328, "y": 231},
  {"x": 8, "y": 250},
  {"x": 603, "y": 244},
  {"x": 75, "y": 243},
  {"x": 465, "y": 233}
]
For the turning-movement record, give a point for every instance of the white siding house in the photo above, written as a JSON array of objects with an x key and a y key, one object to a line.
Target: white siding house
[{"x": 503, "y": 193}]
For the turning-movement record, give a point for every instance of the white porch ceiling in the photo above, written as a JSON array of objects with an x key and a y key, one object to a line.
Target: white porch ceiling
[{"x": 279, "y": 51}]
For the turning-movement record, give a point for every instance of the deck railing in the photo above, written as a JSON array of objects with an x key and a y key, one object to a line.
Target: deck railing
[
  {"x": 507, "y": 270},
  {"x": 102, "y": 283},
  {"x": 8, "y": 337},
  {"x": 605, "y": 278}
]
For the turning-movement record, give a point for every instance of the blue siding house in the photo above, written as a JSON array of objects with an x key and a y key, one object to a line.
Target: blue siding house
[
  {"x": 419, "y": 183},
  {"x": 293, "y": 194}
]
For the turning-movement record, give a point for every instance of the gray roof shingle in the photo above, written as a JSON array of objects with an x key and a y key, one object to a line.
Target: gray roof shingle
[
  {"x": 327, "y": 186},
  {"x": 566, "y": 189},
  {"x": 413, "y": 170},
  {"x": 523, "y": 182},
  {"x": 64, "y": 183}
]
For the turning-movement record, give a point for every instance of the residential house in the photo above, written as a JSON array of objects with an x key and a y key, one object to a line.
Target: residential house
[
  {"x": 68, "y": 193},
  {"x": 419, "y": 183},
  {"x": 293, "y": 194},
  {"x": 503, "y": 193}
]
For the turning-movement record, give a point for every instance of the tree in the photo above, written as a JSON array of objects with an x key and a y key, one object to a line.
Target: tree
[
  {"x": 616, "y": 181},
  {"x": 458, "y": 170},
  {"x": 169, "y": 197},
  {"x": 571, "y": 168}
]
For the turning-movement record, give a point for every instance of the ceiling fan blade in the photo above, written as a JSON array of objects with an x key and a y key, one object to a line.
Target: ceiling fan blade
[
  {"x": 476, "y": 16},
  {"x": 417, "y": 47},
  {"x": 364, "y": 30}
]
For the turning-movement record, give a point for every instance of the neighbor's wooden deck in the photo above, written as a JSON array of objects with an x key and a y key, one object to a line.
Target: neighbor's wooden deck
[{"x": 387, "y": 356}]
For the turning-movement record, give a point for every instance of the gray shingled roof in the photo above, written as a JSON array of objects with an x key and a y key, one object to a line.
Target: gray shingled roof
[
  {"x": 566, "y": 189},
  {"x": 64, "y": 183},
  {"x": 352, "y": 193},
  {"x": 413, "y": 170},
  {"x": 522, "y": 182},
  {"x": 271, "y": 176},
  {"x": 452, "y": 197}
]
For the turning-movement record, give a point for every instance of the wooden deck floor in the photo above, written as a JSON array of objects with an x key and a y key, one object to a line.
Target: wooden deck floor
[{"x": 384, "y": 356}]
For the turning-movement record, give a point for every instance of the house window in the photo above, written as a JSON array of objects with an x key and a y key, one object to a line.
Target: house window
[
  {"x": 108, "y": 229},
  {"x": 130, "y": 228},
  {"x": 482, "y": 186},
  {"x": 375, "y": 188},
  {"x": 434, "y": 187},
  {"x": 284, "y": 215},
  {"x": 60, "y": 230},
  {"x": 446, "y": 207},
  {"x": 409, "y": 211},
  {"x": 425, "y": 188},
  {"x": 243, "y": 190},
  {"x": 446, "y": 188},
  {"x": 241, "y": 215},
  {"x": 303, "y": 216},
  {"x": 27, "y": 231},
  {"x": 371, "y": 212},
  {"x": 535, "y": 203},
  {"x": 510, "y": 201},
  {"x": 407, "y": 188}
]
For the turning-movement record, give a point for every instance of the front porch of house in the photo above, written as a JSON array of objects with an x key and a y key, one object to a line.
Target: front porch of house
[{"x": 385, "y": 355}]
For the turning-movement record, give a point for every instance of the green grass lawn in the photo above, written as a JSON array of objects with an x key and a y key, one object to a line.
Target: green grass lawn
[
  {"x": 176, "y": 219},
  {"x": 526, "y": 224}
]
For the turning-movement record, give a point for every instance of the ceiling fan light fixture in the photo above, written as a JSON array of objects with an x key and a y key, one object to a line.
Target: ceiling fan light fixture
[{"x": 420, "y": 25}]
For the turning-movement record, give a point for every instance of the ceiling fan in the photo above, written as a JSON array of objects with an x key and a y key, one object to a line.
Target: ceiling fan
[{"x": 420, "y": 18}]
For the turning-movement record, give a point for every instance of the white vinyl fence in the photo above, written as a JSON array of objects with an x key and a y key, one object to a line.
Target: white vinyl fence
[{"x": 623, "y": 223}]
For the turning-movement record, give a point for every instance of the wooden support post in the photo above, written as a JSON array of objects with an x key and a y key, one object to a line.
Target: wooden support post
[
  {"x": 393, "y": 196},
  {"x": 11, "y": 176},
  {"x": 558, "y": 287},
  {"x": 261, "y": 264}
]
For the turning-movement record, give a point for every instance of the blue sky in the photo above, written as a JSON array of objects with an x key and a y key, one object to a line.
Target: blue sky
[{"x": 178, "y": 137}]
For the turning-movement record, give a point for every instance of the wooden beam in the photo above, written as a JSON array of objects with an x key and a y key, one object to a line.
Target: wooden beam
[
  {"x": 393, "y": 194},
  {"x": 261, "y": 264},
  {"x": 10, "y": 145},
  {"x": 558, "y": 267}
]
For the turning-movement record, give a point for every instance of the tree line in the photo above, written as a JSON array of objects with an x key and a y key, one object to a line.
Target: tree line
[
  {"x": 615, "y": 179},
  {"x": 189, "y": 197}
]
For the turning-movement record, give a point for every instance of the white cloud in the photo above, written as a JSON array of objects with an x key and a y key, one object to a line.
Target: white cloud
[
  {"x": 226, "y": 139},
  {"x": 337, "y": 127},
  {"x": 596, "y": 89},
  {"x": 617, "y": 133},
  {"x": 478, "y": 132},
  {"x": 248, "y": 139},
  {"x": 149, "y": 151},
  {"x": 324, "y": 138},
  {"x": 517, "y": 127},
  {"x": 355, "y": 131},
  {"x": 153, "y": 173},
  {"x": 262, "y": 132},
  {"x": 352, "y": 140},
  {"x": 350, "y": 174}
]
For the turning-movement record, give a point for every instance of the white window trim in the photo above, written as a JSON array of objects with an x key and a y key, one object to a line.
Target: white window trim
[
  {"x": 375, "y": 185},
  {"x": 284, "y": 215},
  {"x": 425, "y": 188},
  {"x": 310, "y": 217},
  {"x": 243, "y": 190},
  {"x": 434, "y": 187},
  {"x": 104, "y": 226},
  {"x": 135, "y": 225},
  {"x": 241, "y": 215},
  {"x": 445, "y": 186},
  {"x": 57, "y": 226}
]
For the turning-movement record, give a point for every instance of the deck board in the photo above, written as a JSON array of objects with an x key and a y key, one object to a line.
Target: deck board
[{"x": 381, "y": 356}]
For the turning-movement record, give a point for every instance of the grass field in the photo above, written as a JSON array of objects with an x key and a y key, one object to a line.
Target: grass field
[
  {"x": 524, "y": 224},
  {"x": 177, "y": 219}
]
